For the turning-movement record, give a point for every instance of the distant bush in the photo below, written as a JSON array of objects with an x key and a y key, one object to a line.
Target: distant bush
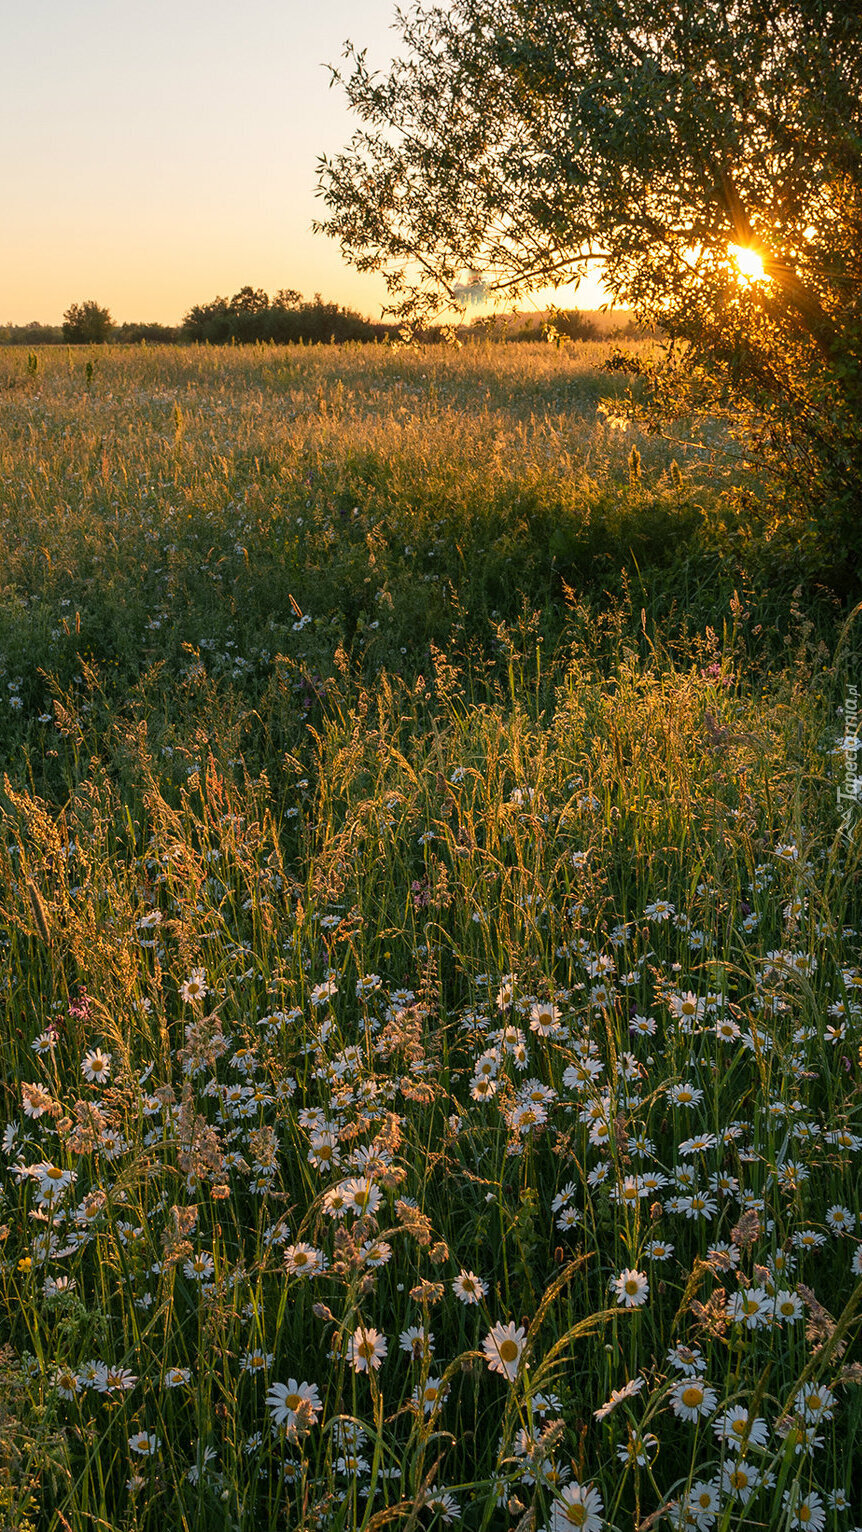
[
  {"x": 134, "y": 334},
  {"x": 32, "y": 334},
  {"x": 87, "y": 324},
  {"x": 250, "y": 315}
]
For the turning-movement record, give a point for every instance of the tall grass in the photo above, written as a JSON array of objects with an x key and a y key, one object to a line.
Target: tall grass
[{"x": 432, "y": 996}]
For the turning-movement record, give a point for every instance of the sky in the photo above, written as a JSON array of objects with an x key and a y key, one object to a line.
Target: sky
[{"x": 161, "y": 152}]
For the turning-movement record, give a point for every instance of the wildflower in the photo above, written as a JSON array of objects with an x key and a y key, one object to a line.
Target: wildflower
[
  {"x": 579, "y": 1505},
  {"x": 431, "y": 1395},
  {"x": 840, "y": 1219},
  {"x": 617, "y": 1396},
  {"x": 569, "y": 1219},
  {"x": 687, "y": 1360},
  {"x": 194, "y": 987},
  {"x": 67, "y": 1383},
  {"x": 469, "y": 1288},
  {"x": 293, "y": 1404},
  {"x": 175, "y": 1377},
  {"x": 119, "y": 1378},
  {"x": 637, "y": 1451},
  {"x": 691, "y": 1399},
  {"x": 815, "y": 1403},
  {"x": 417, "y": 1341},
  {"x": 544, "y": 1018},
  {"x": 366, "y": 1349},
  {"x": 740, "y": 1479},
  {"x": 35, "y": 1100},
  {"x": 506, "y": 992},
  {"x": 362, "y": 1196},
  {"x": 632, "y": 1288},
  {"x": 96, "y": 1066},
  {"x": 658, "y": 1250},
  {"x": 256, "y": 1361},
  {"x": 145, "y": 1443},
  {"x": 304, "y": 1261},
  {"x": 808, "y": 1239},
  {"x": 751, "y": 1307},
  {"x": 788, "y": 1306},
  {"x": 376, "y": 1252},
  {"x": 699, "y": 1144},
  {"x": 703, "y": 1503},
  {"x": 443, "y": 1504},
  {"x": 323, "y": 992},
  {"x": 685, "y": 1095},
  {"x": 810, "y": 1512},
  {"x": 200, "y": 1267},
  {"x": 503, "y": 1347},
  {"x": 659, "y": 911},
  {"x": 697, "y": 1205},
  {"x": 736, "y": 1429}
]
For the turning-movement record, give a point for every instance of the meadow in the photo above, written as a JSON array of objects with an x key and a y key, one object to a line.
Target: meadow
[{"x": 431, "y": 975}]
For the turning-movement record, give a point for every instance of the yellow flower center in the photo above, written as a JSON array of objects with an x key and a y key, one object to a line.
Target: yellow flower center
[
  {"x": 576, "y": 1515},
  {"x": 692, "y": 1396}
]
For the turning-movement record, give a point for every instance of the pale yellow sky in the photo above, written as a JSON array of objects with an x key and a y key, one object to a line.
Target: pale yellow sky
[{"x": 161, "y": 152}]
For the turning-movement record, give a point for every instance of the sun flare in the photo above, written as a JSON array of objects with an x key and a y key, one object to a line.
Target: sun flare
[{"x": 749, "y": 262}]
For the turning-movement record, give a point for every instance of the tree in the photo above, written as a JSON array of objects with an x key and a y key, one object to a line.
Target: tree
[
  {"x": 527, "y": 138},
  {"x": 87, "y": 324}
]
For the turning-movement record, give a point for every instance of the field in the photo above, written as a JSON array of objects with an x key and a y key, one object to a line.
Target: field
[{"x": 431, "y": 973}]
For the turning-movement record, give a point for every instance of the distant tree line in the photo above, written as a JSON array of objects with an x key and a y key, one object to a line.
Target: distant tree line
[
  {"x": 252, "y": 316},
  {"x": 249, "y": 316}
]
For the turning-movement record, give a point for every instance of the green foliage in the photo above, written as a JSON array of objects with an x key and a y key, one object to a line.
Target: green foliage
[
  {"x": 250, "y": 316},
  {"x": 523, "y": 140},
  {"x": 87, "y": 324}
]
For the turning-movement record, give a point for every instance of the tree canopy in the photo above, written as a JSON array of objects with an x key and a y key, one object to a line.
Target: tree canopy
[
  {"x": 87, "y": 323},
  {"x": 523, "y": 138}
]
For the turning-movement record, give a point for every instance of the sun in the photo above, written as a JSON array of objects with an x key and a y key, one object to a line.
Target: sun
[{"x": 749, "y": 262}]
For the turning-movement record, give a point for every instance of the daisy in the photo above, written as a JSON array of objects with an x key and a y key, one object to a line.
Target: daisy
[
  {"x": 67, "y": 1383},
  {"x": 431, "y": 1395},
  {"x": 304, "y": 1261},
  {"x": 736, "y": 1429},
  {"x": 544, "y": 1018},
  {"x": 703, "y": 1503},
  {"x": 579, "y": 1505},
  {"x": 200, "y": 1267},
  {"x": 658, "y": 1250},
  {"x": 293, "y": 1404},
  {"x": 809, "y": 1513},
  {"x": 469, "y": 1288},
  {"x": 840, "y": 1219},
  {"x": 690, "y": 1399},
  {"x": 751, "y": 1307},
  {"x": 617, "y": 1396},
  {"x": 815, "y": 1403},
  {"x": 443, "y": 1504},
  {"x": 256, "y": 1361},
  {"x": 35, "y": 1100},
  {"x": 363, "y": 1197},
  {"x": 659, "y": 911},
  {"x": 417, "y": 1341},
  {"x": 175, "y": 1377},
  {"x": 145, "y": 1443},
  {"x": 503, "y": 1347},
  {"x": 194, "y": 987},
  {"x": 366, "y": 1349},
  {"x": 739, "y": 1478},
  {"x": 569, "y": 1219},
  {"x": 632, "y": 1288}
]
